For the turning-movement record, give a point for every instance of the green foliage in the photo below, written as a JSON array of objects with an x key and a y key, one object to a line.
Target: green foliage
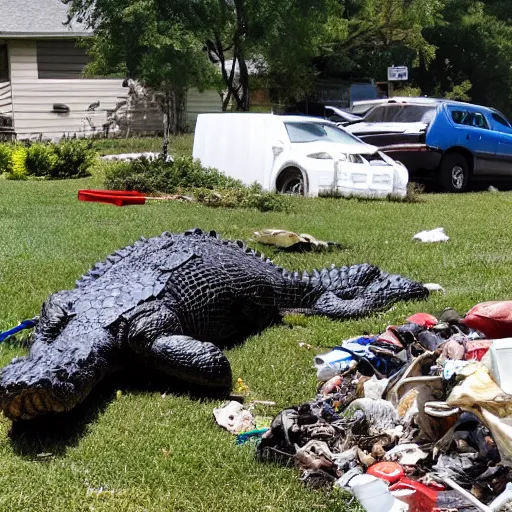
[
  {"x": 407, "y": 90},
  {"x": 5, "y": 157},
  {"x": 74, "y": 157},
  {"x": 155, "y": 176},
  {"x": 138, "y": 38},
  {"x": 18, "y": 170},
  {"x": 41, "y": 159},
  {"x": 367, "y": 36},
  {"x": 208, "y": 185},
  {"x": 67, "y": 159},
  {"x": 460, "y": 92},
  {"x": 474, "y": 47},
  {"x": 243, "y": 197}
]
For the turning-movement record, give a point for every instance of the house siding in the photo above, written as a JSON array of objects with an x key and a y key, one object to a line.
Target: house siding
[
  {"x": 33, "y": 99},
  {"x": 5, "y": 98}
]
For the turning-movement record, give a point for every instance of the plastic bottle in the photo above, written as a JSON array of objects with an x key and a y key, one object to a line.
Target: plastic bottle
[
  {"x": 374, "y": 495},
  {"x": 331, "y": 364}
]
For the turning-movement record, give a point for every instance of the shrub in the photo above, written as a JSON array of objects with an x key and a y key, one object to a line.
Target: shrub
[
  {"x": 41, "y": 159},
  {"x": 208, "y": 185},
  {"x": 74, "y": 159},
  {"x": 67, "y": 159},
  {"x": 156, "y": 176},
  {"x": 18, "y": 170},
  {"x": 5, "y": 157}
]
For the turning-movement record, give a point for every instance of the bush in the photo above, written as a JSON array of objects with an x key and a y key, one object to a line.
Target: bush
[
  {"x": 68, "y": 159},
  {"x": 5, "y": 158},
  {"x": 41, "y": 159},
  {"x": 74, "y": 159},
  {"x": 156, "y": 176},
  {"x": 18, "y": 170},
  {"x": 185, "y": 175}
]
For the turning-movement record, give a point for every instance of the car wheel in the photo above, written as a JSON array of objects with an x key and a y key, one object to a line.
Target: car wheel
[
  {"x": 291, "y": 181},
  {"x": 454, "y": 175}
]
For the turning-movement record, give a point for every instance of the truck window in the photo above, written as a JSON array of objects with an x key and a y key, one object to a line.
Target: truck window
[
  {"x": 311, "y": 132},
  {"x": 401, "y": 113},
  {"x": 468, "y": 118},
  {"x": 500, "y": 120}
]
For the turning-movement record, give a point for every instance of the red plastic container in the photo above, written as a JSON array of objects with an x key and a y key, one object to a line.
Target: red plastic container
[
  {"x": 389, "y": 471},
  {"x": 423, "y": 499},
  {"x": 117, "y": 197}
]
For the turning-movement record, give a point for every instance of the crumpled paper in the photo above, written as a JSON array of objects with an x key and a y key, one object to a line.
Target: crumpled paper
[
  {"x": 434, "y": 235},
  {"x": 234, "y": 418}
]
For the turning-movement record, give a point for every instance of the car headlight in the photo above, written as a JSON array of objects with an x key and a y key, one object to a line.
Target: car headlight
[{"x": 320, "y": 156}]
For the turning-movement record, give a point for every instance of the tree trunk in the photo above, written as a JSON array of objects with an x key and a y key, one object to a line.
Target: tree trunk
[
  {"x": 174, "y": 107},
  {"x": 181, "y": 111},
  {"x": 167, "y": 122},
  {"x": 245, "y": 100}
]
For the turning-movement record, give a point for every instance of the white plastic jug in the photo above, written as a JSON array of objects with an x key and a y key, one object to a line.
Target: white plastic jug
[
  {"x": 501, "y": 363},
  {"x": 374, "y": 495},
  {"x": 331, "y": 364}
]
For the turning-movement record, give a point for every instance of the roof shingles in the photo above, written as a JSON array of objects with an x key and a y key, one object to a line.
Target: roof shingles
[{"x": 32, "y": 18}]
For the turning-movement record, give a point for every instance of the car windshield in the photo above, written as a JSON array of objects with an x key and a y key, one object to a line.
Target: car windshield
[
  {"x": 401, "y": 113},
  {"x": 312, "y": 132}
]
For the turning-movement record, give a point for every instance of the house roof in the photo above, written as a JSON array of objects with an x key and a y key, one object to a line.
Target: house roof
[{"x": 37, "y": 18}]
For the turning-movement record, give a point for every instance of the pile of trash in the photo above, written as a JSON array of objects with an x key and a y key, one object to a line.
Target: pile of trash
[{"x": 416, "y": 418}]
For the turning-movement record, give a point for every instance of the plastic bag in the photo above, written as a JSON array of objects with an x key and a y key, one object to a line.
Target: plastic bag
[{"x": 494, "y": 319}]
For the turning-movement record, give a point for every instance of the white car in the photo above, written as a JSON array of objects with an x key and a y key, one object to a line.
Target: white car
[{"x": 295, "y": 154}]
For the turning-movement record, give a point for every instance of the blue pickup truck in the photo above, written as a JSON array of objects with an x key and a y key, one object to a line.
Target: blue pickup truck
[{"x": 449, "y": 142}]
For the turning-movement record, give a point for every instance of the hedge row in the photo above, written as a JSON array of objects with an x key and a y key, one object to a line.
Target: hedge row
[{"x": 71, "y": 158}]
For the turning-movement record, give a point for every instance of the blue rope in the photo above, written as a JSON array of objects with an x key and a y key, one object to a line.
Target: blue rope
[{"x": 26, "y": 324}]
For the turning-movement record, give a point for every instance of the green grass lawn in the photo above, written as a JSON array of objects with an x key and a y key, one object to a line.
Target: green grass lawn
[{"x": 150, "y": 451}]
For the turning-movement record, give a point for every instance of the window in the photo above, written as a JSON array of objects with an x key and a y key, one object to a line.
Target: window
[
  {"x": 4, "y": 63},
  {"x": 500, "y": 120},
  {"x": 60, "y": 58},
  {"x": 468, "y": 118},
  {"x": 311, "y": 132},
  {"x": 401, "y": 113}
]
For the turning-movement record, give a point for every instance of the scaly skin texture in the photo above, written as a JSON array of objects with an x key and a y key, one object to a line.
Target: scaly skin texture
[{"x": 172, "y": 302}]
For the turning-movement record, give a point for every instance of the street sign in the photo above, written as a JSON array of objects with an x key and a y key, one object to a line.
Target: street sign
[{"x": 397, "y": 73}]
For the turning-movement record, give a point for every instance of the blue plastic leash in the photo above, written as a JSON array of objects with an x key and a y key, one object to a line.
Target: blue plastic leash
[{"x": 26, "y": 324}]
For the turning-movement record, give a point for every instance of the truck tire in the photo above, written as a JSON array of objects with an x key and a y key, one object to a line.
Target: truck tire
[
  {"x": 454, "y": 172},
  {"x": 291, "y": 181}
]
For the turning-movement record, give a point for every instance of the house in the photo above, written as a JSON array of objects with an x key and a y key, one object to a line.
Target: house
[{"x": 42, "y": 91}]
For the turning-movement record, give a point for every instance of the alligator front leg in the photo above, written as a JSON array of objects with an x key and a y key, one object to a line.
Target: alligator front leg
[
  {"x": 154, "y": 333},
  {"x": 190, "y": 360}
]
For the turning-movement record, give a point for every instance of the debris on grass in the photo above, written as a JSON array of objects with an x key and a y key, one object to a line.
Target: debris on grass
[
  {"x": 414, "y": 417},
  {"x": 432, "y": 236},
  {"x": 291, "y": 241}
]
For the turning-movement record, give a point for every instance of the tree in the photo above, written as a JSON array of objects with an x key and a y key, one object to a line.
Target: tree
[
  {"x": 136, "y": 38},
  {"x": 278, "y": 37},
  {"x": 474, "y": 47},
  {"x": 367, "y": 36}
]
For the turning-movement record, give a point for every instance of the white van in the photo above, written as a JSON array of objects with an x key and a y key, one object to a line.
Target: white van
[{"x": 295, "y": 154}]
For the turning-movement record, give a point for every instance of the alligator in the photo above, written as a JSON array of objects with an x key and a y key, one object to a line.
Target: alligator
[{"x": 172, "y": 303}]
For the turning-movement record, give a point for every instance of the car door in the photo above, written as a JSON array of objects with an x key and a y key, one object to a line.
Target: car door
[
  {"x": 474, "y": 133},
  {"x": 503, "y": 147}
]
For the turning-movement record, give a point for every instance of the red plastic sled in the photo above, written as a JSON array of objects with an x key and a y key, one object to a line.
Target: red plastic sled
[{"x": 117, "y": 197}]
